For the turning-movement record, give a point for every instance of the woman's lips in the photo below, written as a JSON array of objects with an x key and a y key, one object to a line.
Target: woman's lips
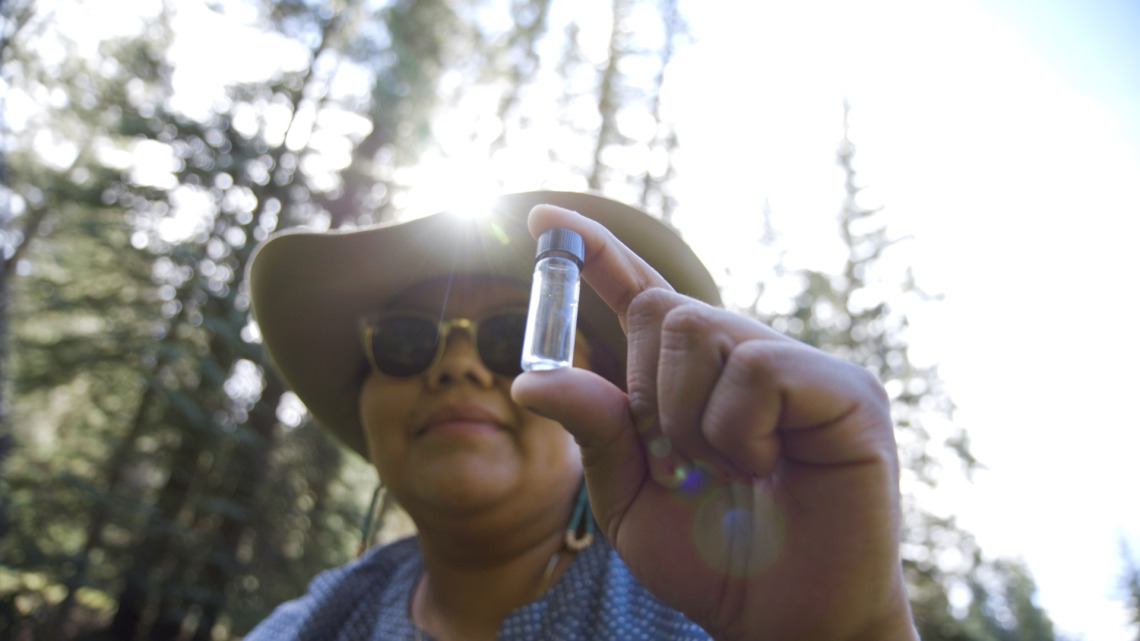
[{"x": 462, "y": 420}]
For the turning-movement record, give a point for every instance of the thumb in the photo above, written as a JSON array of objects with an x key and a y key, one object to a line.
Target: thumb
[{"x": 596, "y": 413}]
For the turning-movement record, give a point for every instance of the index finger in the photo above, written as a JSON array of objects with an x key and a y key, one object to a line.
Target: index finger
[{"x": 613, "y": 270}]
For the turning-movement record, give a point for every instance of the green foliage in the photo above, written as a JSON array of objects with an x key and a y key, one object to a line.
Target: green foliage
[
  {"x": 1130, "y": 586},
  {"x": 148, "y": 480}
]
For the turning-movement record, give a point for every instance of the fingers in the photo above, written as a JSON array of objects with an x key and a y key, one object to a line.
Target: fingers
[
  {"x": 802, "y": 405},
  {"x": 675, "y": 357},
  {"x": 732, "y": 396},
  {"x": 597, "y": 414},
  {"x": 828, "y": 411}
]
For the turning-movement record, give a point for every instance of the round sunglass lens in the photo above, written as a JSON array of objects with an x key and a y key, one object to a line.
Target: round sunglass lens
[
  {"x": 404, "y": 346},
  {"x": 501, "y": 341}
]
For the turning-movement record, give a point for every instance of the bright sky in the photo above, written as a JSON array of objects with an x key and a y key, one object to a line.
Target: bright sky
[{"x": 1004, "y": 137}]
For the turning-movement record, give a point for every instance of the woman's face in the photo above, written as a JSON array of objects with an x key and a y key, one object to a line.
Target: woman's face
[{"x": 451, "y": 443}]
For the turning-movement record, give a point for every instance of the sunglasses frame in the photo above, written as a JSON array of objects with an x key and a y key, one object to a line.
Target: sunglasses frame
[{"x": 443, "y": 334}]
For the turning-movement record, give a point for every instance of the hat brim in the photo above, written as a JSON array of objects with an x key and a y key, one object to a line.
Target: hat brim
[{"x": 309, "y": 290}]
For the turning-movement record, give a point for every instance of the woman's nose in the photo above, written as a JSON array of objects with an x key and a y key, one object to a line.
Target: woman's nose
[{"x": 460, "y": 362}]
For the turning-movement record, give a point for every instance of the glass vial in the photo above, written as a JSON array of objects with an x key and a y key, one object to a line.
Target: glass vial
[{"x": 552, "y": 320}]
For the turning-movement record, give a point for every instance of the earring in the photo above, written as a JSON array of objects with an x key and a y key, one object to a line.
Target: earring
[
  {"x": 373, "y": 518},
  {"x": 580, "y": 530}
]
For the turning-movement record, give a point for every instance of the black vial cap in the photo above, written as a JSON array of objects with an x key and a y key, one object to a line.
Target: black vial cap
[{"x": 561, "y": 242}]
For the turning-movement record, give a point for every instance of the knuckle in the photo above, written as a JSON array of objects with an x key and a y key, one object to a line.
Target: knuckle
[
  {"x": 648, "y": 305},
  {"x": 691, "y": 326},
  {"x": 688, "y": 316},
  {"x": 687, "y": 320},
  {"x": 754, "y": 359},
  {"x": 863, "y": 382},
  {"x": 642, "y": 399},
  {"x": 872, "y": 387}
]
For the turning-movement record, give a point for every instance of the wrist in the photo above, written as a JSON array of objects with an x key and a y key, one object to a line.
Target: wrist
[
  {"x": 893, "y": 621},
  {"x": 894, "y": 626}
]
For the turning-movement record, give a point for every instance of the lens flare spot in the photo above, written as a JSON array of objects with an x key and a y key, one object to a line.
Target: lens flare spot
[
  {"x": 693, "y": 480},
  {"x": 739, "y": 530},
  {"x": 680, "y": 474},
  {"x": 737, "y": 523},
  {"x": 498, "y": 232}
]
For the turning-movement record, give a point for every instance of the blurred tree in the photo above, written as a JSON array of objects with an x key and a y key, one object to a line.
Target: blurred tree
[
  {"x": 177, "y": 474},
  {"x": 1002, "y": 604},
  {"x": 14, "y": 16},
  {"x": 1130, "y": 585},
  {"x": 848, "y": 314},
  {"x": 165, "y": 482},
  {"x": 87, "y": 333}
]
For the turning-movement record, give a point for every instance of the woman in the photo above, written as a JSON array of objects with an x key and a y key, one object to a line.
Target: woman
[{"x": 744, "y": 484}]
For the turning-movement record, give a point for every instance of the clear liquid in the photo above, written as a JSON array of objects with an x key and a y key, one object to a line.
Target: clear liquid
[{"x": 553, "y": 316}]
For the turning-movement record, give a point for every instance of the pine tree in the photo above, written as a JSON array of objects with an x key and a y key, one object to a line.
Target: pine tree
[
  {"x": 847, "y": 314},
  {"x": 1130, "y": 584}
]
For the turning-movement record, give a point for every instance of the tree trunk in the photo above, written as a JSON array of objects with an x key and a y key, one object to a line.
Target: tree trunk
[
  {"x": 156, "y": 543},
  {"x": 248, "y": 470},
  {"x": 115, "y": 467}
]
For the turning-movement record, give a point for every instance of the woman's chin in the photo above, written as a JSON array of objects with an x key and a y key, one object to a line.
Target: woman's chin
[{"x": 465, "y": 485}]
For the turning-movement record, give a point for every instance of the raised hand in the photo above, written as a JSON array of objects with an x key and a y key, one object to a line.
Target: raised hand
[{"x": 748, "y": 480}]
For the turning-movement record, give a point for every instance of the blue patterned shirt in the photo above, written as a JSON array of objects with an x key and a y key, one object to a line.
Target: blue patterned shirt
[{"x": 367, "y": 600}]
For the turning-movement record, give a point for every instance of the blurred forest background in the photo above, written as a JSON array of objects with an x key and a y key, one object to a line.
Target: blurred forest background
[{"x": 157, "y": 481}]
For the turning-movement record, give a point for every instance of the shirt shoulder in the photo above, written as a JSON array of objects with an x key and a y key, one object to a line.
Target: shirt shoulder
[{"x": 599, "y": 598}]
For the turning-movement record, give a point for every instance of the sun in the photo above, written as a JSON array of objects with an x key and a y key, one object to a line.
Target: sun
[{"x": 461, "y": 185}]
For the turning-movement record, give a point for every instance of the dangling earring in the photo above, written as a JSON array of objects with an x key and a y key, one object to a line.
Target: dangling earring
[
  {"x": 579, "y": 535},
  {"x": 580, "y": 530},
  {"x": 373, "y": 518}
]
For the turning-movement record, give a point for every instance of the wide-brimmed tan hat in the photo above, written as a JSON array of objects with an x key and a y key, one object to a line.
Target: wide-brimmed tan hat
[{"x": 309, "y": 290}]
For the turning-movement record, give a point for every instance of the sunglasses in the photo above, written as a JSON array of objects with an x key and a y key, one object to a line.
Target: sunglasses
[{"x": 408, "y": 344}]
